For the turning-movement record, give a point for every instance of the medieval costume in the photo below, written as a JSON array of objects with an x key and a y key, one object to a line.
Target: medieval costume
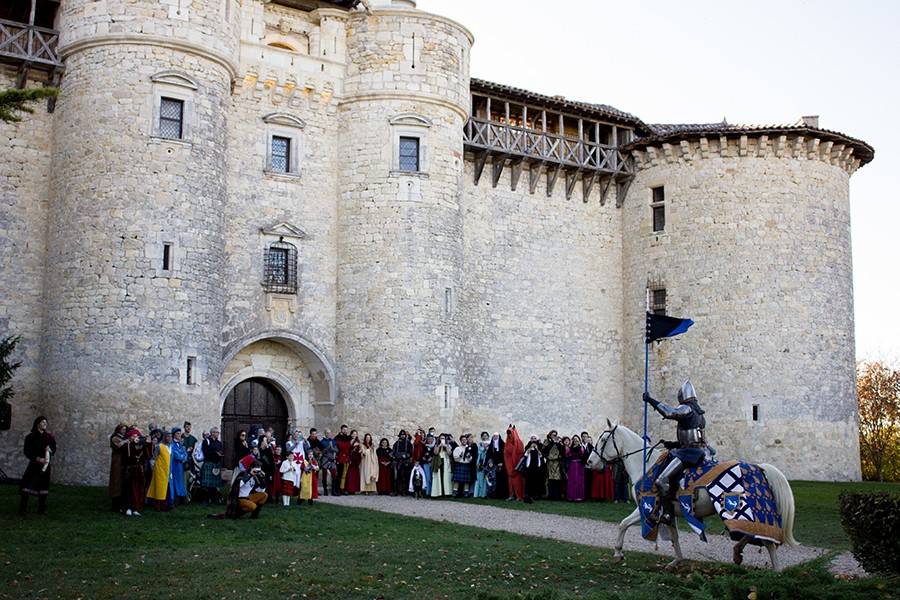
[
  {"x": 210, "y": 472},
  {"x": 290, "y": 471},
  {"x": 39, "y": 448},
  {"x": 426, "y": 459},
  {"x": 137, "y": 454},
  {"x": 620, "y": 482},
  {"x": 162, "y": 474},
  {"x": 441, "y": 470},
  {"x": 417, "y": 481},
  {"x": 463, "y": 457},
  {"x": 117, "y": 443},
  {"x": 602, "y": 484},
  {"x": 512, "y": 453},
  {"x": 368, "y": 466},
  {"x": 309, "y": 487},
  {"x": 353, "y": 480},
  {"x": 691, "y": 448},
  {"x": 275, "y": 483},
  {"x": 385, "y": 470},
  {"x": 495, "y": 473},
  {"x": 533, "y": 470},
  {"x": 248, "y": 494},
  {"x": 179, "y": 458},
  {"x": 402, "y": 462},
  {"x": 241, "y": 447},
  {"x": 481, "y": 490},
  {"x": 575, "y": 471},
  {"x": 328, "y": 465},
  {"x": 342, "y": 459},
  {"x": 555, "y": 456}
]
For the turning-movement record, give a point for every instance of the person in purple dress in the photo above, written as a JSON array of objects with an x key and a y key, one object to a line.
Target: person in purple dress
[{"x": 575, "y": 471}]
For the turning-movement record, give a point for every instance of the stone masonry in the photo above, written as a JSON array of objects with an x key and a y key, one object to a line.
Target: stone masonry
[{"x": 422, "y": 297}]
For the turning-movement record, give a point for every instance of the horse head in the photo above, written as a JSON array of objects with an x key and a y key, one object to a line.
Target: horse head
[{"x": 607, "y": 449}]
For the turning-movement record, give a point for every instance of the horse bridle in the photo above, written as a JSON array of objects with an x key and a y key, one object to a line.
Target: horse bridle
[{"x": 611, "y": 436}]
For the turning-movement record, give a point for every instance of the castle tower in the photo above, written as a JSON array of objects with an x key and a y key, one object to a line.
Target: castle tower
[
  {"x": 747, "y": 231},
  {"x": 399, "y": 223},
  {"x": 135, "y": 239}
]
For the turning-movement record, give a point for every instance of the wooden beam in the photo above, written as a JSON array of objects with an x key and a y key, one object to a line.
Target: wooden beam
[
  {"x": 55, "y": 77},
  {"x": 552, "y": 176},
  {"x": 587, "y": 185},
  {"x": 571, "y": 178},
  {"x": 497, "y": 164},
  {"x": 22, "y": 75},
  {"x": 604, "y": 189},
  {"x": 480, "y": 159},
  {"x": 506, "y": 112},
  {"x": 488, "y": 118},
  {"x": 544, "y": 121},
  {"x": 515, "y": 171},
  {"x": 622, "y": 190},
  {"x": 31, "y": 16},
  {"x": 534, "y": 173}
]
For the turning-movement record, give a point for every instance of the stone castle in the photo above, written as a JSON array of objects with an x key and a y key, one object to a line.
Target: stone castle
[{"x": 306, "y": 212}]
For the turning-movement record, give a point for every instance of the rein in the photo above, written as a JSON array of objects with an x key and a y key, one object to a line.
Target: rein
[{"x": 619, "y": 456}]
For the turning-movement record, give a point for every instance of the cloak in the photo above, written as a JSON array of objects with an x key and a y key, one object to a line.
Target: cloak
[
  {"x": 512, "y": 452},
  {"x": 162, "y": 472}
]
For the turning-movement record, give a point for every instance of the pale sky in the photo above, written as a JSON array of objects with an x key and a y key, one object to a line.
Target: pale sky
[{"x": 757, "y": 62}]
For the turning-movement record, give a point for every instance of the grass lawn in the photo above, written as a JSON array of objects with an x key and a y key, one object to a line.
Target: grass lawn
[
  {"x": 817, "y": 523},
  {"x": 80, "y": 550}
]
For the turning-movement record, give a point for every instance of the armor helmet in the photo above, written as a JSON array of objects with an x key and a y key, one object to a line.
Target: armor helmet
[{"x": 686, "y": 392}]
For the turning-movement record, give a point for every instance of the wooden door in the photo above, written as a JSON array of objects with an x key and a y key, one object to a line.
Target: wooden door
[{"x": 252, "y": 403}]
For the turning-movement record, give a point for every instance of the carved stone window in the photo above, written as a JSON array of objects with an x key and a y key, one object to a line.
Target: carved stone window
[
  {"x": 409, "y": 153},
  {"x": 171, "y": 118},
  {"x": 280, "y": 268}
]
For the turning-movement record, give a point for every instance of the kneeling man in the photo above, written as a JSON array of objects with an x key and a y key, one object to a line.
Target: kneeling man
[{"x": 248, "y": 493}]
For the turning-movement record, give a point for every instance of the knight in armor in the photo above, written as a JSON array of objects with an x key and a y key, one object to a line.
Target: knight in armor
[{"x": 690, "y": 449}]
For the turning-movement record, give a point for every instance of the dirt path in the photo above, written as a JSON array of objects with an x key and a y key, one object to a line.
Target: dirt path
[{"x": 585, "y": 531}]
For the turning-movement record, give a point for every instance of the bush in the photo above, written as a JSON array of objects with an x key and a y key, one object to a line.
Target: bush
[{"x": 872, "y": 522}]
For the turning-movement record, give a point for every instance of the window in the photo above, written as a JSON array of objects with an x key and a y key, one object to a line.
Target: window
[
  {"x": 167, "y": 256},
  {"x": 171, "y": 118},
  {"x": 658, "y": 301},
  {"x": 409, "y": 153},
  {"x": 281, "y": 268},
  {"x": 191, "y": 370},
  {"x": 756, "y": 412},
  {"x": 658, "y": 208},
  {"x": 448, "y": 302},
  {"x": 281, "y": 154},
  {"x": 446, "y": 395}
]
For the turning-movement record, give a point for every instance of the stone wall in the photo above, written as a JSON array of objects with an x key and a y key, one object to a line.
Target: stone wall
[
  {"x": 24, "y": 185},
  {"x": 756, "y": 249},
  {"x": 119, "y": 328},
  {"x": 400, "y": 234},
  {"x": 542, "y": 300}
]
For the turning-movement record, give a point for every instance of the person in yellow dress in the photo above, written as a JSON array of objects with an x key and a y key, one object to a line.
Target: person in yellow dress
[{"x": 162, "y": 473}]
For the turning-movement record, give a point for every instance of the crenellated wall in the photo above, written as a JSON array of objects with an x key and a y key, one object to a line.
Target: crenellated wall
[{"x": 756, "y": 249}]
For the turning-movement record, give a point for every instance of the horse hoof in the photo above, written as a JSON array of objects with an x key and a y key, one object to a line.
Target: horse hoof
[
  {"x": 618, "y": 558},
  {"x": 673, "y": 565},
  {"x": 738, "y": 558}
]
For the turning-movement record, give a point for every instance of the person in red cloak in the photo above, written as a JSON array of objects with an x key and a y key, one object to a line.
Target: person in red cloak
[{"x": 512, "y": 452}]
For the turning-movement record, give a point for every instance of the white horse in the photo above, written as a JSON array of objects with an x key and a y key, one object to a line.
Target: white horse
[{"x": 620, "y": 443}]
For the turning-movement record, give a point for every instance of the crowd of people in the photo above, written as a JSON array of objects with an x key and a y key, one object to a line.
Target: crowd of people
[{"x": 172, "y": 466}]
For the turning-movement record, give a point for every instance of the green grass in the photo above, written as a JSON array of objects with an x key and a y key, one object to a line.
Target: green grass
[
  {"x": 82, "y": 550},
  {"x": 817, "y": 522}
]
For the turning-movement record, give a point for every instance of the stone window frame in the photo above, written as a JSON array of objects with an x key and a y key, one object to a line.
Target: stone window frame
[
  {"x": 448, "y": 391},
  {"x": 177, "y": 86},
  {"x": 410, "y": 125},
  {"x": 657, "y": 307},
  {"x": 199, "y": 368},
  {"x": 448, "y": 301},
  {"x": 657, "y": 205},
  {"x": 284, "y": 125},
  {"x": 155, "y": 250}
]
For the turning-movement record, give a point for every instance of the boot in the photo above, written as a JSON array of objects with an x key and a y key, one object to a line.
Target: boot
[
  {"x": 255, "y": 513},
  {"x": 666, "y": 512}
]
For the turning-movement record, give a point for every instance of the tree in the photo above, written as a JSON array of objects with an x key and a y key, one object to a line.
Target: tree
[
  {"x": 16, "y": 101},
  {"x": 7, "y": 368},
  {"x": 878, "y": 388}
]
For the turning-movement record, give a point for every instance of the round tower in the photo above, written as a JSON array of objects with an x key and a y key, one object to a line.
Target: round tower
[
  {"x": 134, "y": 295},
  {"x": 399, "y": 224},
  {"x": 747, "y": 231}
]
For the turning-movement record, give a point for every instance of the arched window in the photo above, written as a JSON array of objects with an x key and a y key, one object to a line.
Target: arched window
[{"x": 281, "y": 268}]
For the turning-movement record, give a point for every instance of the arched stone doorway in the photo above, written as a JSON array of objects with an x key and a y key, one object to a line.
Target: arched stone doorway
[{"x": 254, "y": 402}]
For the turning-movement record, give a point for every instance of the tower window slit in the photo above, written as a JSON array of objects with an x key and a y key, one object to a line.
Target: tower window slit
[
  {"x": 191, "y": 370},
  {"x": 167, "y": 256}
]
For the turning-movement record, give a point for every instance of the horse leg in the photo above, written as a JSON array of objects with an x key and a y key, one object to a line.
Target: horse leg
[
  {"x": 676, "y": 546},
  {"x": 772, "y": 547},
  {"x": 737, "y": 555},
  {"x": 627, "y": 522}
]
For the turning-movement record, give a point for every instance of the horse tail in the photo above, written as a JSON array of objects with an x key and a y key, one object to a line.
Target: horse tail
[{"x": 784, "y": 499}]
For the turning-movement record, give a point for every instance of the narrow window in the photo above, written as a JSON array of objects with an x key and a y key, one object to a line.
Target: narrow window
[
  {"x": 191, "y": 370},
  {"x": 446, "y": 395},
  {"x": 281, "y": 154},
  {"x": 409, "y": 154},
  {"x": 281, "y": 268},
  {"x": 658, "y": 209},
  {"x": 167, "y": 256},
  {"x": 658, "y": 301},
  {"x": 756, "y": 412},
  {"x": 448, "y": 301},
  {"x": 171, "y": 118}
]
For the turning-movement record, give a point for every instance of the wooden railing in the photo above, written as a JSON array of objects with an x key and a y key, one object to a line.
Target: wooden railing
[
  {"x": 545, "y": 147},
  {"x": 29, "y": 43}
]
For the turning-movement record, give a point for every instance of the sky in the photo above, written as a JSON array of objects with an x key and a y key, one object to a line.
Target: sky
[{"x": 754, "y": 62}]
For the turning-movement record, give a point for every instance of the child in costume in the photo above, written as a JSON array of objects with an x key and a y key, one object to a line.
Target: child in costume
[{"x": 290, "y": 477}]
